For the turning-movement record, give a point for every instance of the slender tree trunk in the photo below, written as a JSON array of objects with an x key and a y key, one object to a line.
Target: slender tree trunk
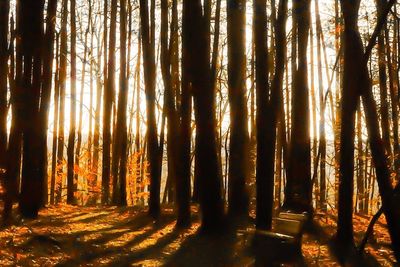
[
  {"x": 322, "y": 101},
  {"x": 55, "y": 124},
  {"x": 352, "y": 58},
  {"x": 48, "y": 56},
  {"x": 99, "y": 91},
  {"x": 185, "y": 112},
  {"x": 313, "y": 97},
  {"x": 148, "y": 41},
  {"x": 12, "y": 175},
  {"x": 71, "y": 184},
  {"x": 360, "y": 171},
  {"x": 91, "y": 93},
  {"x": 263, "y": 209},
  {"x": 62, "y": 83},
  {"x": 107, "y": 106},
  {"x": 336, "y": 129},
  {"x": 120, "y": 137}
]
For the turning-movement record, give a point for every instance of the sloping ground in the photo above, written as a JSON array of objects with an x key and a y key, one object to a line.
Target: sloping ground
[{"x": 92, "y": 236}]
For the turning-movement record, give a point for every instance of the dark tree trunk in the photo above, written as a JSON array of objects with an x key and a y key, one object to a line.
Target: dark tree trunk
[
  {"x": 203, "y": 92},
  {"x": 350, "y": 97},
  {"x": 4, "y": 16},
  {"x": 298, "y": 191},
  {"x": 239, "y": 136},
  {"x": 148, "y": 42},
  {"x": 120, "y": 136},
  {"x": 185, "y": 113},
  {"x": 107, "y": 106},
  {"x": 263, "y": 209},
  {"x": 13, "y": 164},
  {"x": 62, "y": 82},
  {"x": 48, "y": 57},
  {"x": 30, "y": 15},
  {"x": 71, "y": 184}
]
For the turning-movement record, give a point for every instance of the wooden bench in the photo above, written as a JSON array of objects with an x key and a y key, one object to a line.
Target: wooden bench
[{"x": 284, "y": 239}]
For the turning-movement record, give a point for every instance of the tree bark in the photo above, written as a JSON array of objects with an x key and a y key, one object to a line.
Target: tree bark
[
  {"x": 298, "y": 191},
  {"x": 120, "y": 136},
  {"x": 239, "y": 136},
  {"x": 71, "y": 183},
  {"x": 4, "y": 19},
  {"x": 204, "y": 94},
  {"x": 148, "y": 42},
  {"x": 107, "y": 106}
]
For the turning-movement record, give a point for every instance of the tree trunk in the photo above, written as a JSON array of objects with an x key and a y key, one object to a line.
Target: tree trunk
[
  {"x": 239, "y": 136},
  {"x": 185, "y": 113},
  {"x": 107, "y": 106},
  {"x": 120, "y": 136},
  {"x": 203, "y": 92},
  {"x": 263, "y": 209},
  {"x": 4, "y": 14},
  {"x": 148, "y": 42},
  {"x": 55, "y": 124},
  {"x": 62, "y": 82},
  {"x": 71, "y": 184},
  {"x": 298, "y": 191},
  {"x": 30, "y": 17},
  {"x": 13, "y": 164},
  {"x": 322, "y": 101},
  {"x": 352, "y": 58}
]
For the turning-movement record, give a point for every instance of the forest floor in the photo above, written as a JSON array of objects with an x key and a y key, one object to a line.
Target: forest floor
[{"x": 96, "y": 236}]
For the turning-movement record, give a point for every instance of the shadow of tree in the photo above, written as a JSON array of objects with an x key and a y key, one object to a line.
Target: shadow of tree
[
  {"x": 88, "y": 251},
  {"x": 203, "y": 250}
]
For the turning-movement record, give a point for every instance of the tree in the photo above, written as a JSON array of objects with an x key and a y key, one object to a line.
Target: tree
[
  {"x": 62, "y": 84},
  {"x": 48, "y": 57},
  {"x": 239, "y": 139},
  {"x": 55, "y": 124},
  {"x": 72, "y": 126},
  {"x": 352, "y": 46},
  {"x": 30, "y": 16},
  {"x": 107, "y": 105},
  {"x": 4, "y": 16},
  {"x": 203, "y": 94},
  {"x": 298, "y": 191},
  {"x": 120, "y": 137},
  {"x": 322, "y": 135},
  {"x": 263, "y": 212},
  {"x": 13, "y": 163},
  {"x": 185, "y": 113},
  {"x": 148, "y": 43}
]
